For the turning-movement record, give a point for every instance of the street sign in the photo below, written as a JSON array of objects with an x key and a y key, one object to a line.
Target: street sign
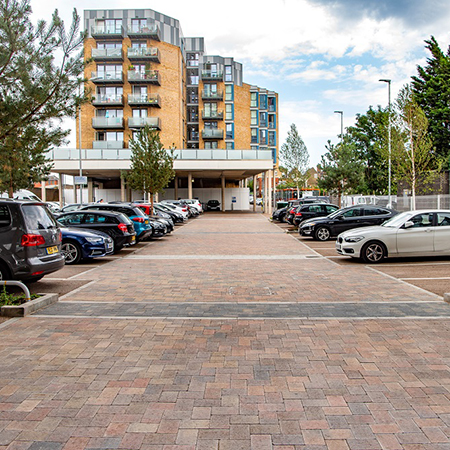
[
  {"x": 80, "y": 180},
  {"x": 233, "y": 199}
]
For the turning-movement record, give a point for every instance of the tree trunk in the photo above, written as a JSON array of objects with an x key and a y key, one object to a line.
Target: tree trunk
[{"x": 151, "y": 203}]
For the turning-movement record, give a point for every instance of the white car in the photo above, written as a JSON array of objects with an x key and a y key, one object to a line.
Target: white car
[
  {"x": 195, "y": 203},
  {"x": 412, "y": 233},
  {"x": 176, "y": 208}
]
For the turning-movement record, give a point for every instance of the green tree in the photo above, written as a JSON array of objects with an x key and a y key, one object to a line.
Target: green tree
[
  {"x": 431, "y": 90},
  {"x": 342, "y": 171},
  {"x": 369, "y": 134},
  {"x": 151, "y": 164},
  {"x": 36, "y": 92},
  {"x": 411, "y": 156},
  {"x": 295, "y": 159}
]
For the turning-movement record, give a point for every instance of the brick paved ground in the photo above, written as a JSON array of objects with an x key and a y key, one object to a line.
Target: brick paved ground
[{"x": 175, "y": 384}]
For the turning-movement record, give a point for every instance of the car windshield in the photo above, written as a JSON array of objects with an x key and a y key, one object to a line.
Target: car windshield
[
  {"x": 335, "y": 214},
  {"x": 398, "y": 220}
]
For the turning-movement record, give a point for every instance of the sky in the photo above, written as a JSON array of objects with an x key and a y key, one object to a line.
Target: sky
[{"x": 320, "y": 56}]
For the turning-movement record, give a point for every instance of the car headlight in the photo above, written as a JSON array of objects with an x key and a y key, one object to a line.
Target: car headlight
[
  {"x": 92, "y": 240},
  {"x": 353, "y": 238},
  {"x": 309, "y": 224}
]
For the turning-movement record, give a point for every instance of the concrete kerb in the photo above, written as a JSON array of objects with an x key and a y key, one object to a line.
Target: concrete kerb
[
  {"x": 30, "y": 307},
  {"x": 447, "y": 297}
]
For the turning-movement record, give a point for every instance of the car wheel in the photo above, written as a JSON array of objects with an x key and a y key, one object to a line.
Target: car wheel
[
  {"x": 4, "y": 272},
  {"x": 283, "y": 219},
  {"x": 373, "y": 252},
  {"x": 71, "y": 251},
  {"x": 322, "y": 234}
]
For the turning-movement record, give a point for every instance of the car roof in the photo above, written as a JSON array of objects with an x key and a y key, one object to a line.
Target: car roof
[{"x": 92, "y": 211}]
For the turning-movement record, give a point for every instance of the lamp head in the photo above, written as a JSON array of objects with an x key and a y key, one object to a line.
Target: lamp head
[{"x": 385, "y": 80}]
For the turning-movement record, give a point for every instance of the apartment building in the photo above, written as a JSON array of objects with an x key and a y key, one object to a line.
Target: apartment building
[{"x": 142, "y": 70}]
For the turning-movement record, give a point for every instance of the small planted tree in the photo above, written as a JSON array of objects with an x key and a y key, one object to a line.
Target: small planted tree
[
  {"x": 295, "y": 159},
  {"x": 151, "y": 165},
  {"x": 41, "y": 68}
]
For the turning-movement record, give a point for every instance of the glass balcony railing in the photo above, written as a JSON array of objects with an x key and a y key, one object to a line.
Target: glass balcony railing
[
  {"x": 144, "y": 54},
  {"x": 107, "y": 77},
  {"x": 107, "y": 144},
  {"x": 148, "y": 77},
  {"x": 107, "y": 122},
  {"x": 212, "y": 115},
  {"x": 212, "y": 95},
  {"x": 212, "y": 134},
  {"x": 144, "y": 100},
  {"x": 112, "y": 100},
  {"x": 102, "y": 31},
  {"x": 150, "y": 30},
  {"x": 140, "y": 122},
  {"x": 212, "y": 75},
  {"x": 107, "y": 54}
]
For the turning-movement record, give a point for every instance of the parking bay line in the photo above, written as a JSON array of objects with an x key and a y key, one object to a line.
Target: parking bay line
[{"x": 227, "y": 257}]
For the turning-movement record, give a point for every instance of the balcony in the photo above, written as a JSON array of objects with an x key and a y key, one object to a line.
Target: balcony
[
  {"x": 107, "y": 144},
  {"x": 212, "y": 115},
  {"x": 208, "y": 75},
  {"x": 103, "y": 32},
  {"x": 212, "y": 134},
  {"x": 141, "y": 122},
  {"x": 144, "y": 100},
  {"x": 107, "y": 54},
  {"x": 208, "y": 95},
  {"x": 144, "y": 54},
  {"x": 146, "y": 77},
  {"x": 107, "y": 122},
  {"x": 192, "y": 99},
  {"x": 149, "y": 31},
  {"x": 107, "y": 77},
  {"x": 111, "y": 100},
  {"x": 272, "y": 125}
]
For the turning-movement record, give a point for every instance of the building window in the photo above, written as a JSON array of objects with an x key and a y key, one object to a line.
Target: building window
[
  {"x": 229, "y": 93},
  {"x": 211, "y": 145},
  {"x": 253, "y": 147},
  {"x": 263, "y": 101},
  {"x": 110, "y": 136},
  {"x": 263, "y": 137},
  {"x": 263, "y": 119},
  {"x": 272, "y": 138},
  {"x": 138, "y": 24},
  {"x": 140, "y": 112},
  {"x": 229, "y": 131},
  {"x": 229, "y": 145},
  {"x": 106, "y": 45},
  {"x": 253, "y": 99},
  {"x": 254, "y": 134},
  {"x": 109, "y": 113},
  {"x": 253, "y": 117},
  {"x": 272, "y": 104},
  {"x": 210, "y": 88},
  {"x": 210, "y": 125},
  {"x": 139, "y": 44},
  {"x": 229, "y": 111},
  {"x": 109, "y": 71},
  {"x": 110, "y": 26},
  {"x": 228, "y": 73},
  {"x": 193, "y": 79},
  {"x": 192, "y": 59}
]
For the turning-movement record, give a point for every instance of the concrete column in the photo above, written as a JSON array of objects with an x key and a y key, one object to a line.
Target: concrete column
[
  {"x": 122, "y": 190},
  {"x": 90, "y": 193},
  {"x": 269, "y": 196},
  {"x": 223, "y": 193},
  {"x": 266, "y": 185},
  {"x": 189, "y": 185},
  {"x": 74, "y": 192},
  {"x": 274, "y": 184},
  {"x": 43, "y": 191},
  {"x": 175, "y": 196},
  {"x": 254, "y": 193},
  {"x": 61, "y": 190},
  {"x": 246, "y": 183}
]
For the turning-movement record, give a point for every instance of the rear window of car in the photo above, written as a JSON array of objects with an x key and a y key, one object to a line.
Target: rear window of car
[
  {"x": 5, "y": 216},
  {"x": 37, "y": 217}
]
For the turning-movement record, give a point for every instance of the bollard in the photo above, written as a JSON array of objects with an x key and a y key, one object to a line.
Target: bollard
[{"x": 21, "y": 285}]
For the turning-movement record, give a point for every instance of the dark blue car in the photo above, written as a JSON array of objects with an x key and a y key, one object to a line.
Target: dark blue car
[{"x": 78, "y": 244}]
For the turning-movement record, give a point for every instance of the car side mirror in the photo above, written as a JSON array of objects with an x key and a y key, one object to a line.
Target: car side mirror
[
  {"x": 408, "y": 224},
  {"x": 340, "y": 217}
]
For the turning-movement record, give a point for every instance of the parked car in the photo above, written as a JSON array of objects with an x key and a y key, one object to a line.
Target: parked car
[
  {"x": 195, "y": 203},
  {"x": 177, "y": 217},
  {"x": 141, "y": 223},
  {"x": 53, "y": 207},
  {"x": 323, "y": 228},
  {"x": 412, "y": 233},
  {"x": 157, "y": 216},
  {"x": 213, "y": 205},
  {"x": 309, "y": 211},
  {"x": 178, "y": 209},
  {"x": 178, "y": 204},
  {"x": 282, "y": 214},
  {"x": 73, "y": 207},
  {"x": 118, "y": 226},
  {"x": 30, "y": 241},
  {"x": 79, "y": 244}
]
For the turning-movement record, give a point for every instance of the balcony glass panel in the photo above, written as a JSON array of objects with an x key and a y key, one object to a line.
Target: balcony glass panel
[
  {"x": 211, "y": 95},
  {"x": 108, "y": 100},
  {"x": 144, "y": 53},
  {"x": 107, "y": 53},
  {"x": 212, "y": 134},
  {"x": 107, "y": 144},
  {"x": 144, "y": 99},
  {"x": 139, "y": 122},
  {"x": 107, "y": 30},
  {"x": 147, "y": 76},
  {"x": 212, "y": 115},
  {"x": 107, "y": 122},
  {"x": 144, "y": 30},
  {"x": 112, "y": 77},
  {"x": 211, "y": 75}
]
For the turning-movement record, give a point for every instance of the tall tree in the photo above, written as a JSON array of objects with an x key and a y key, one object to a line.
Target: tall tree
[
  {"x": 41, "y": 68},
  {"x": 151, "y": 164},
  {"x": 342, "y": 171},
  {"x": 368, "y": 134},
  {"x": 431, "y": 90},
  {"x": 412, "y": 159},
  {"x": 295, "y": 158}
]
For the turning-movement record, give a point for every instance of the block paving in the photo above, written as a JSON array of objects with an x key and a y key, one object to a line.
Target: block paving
[{"x": 148, "y": 383}]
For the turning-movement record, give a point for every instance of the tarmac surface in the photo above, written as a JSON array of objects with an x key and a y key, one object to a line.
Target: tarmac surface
[{"x": 229, "y": 334}]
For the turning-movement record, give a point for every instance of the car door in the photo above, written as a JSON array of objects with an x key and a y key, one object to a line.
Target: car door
[
  {"x": 419, "y": 238},
  {"x": 347, "y": 220},
  {"x": 442, "y": 233}
]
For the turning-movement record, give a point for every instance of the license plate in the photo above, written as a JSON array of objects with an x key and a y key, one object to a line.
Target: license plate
[
  {"x": 146, "y": 221},
  {"x": 109, "y": 246},
  {"x": 133, "y": 238},
  {"x": 52, "y": 250}
]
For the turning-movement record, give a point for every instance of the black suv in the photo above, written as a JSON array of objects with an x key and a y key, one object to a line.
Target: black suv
[
  {"x": 322, "y": 228},
  {"x": 30, "y": 241},
  {"x": 116, "y": 225},
  {"x": 213, "y": 205}
]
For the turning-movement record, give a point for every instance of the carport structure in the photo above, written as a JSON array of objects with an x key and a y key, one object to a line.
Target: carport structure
[{"x": 207, "y": 168}]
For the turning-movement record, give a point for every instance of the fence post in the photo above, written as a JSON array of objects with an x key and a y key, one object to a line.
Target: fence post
[{"x": 439, "y": 201}]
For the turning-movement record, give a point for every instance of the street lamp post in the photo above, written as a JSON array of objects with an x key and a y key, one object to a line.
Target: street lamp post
[
  {"x": 79, "y": 146},
  {"x": 389, "y": 139},
  {"x": 342, "y": 123}
]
